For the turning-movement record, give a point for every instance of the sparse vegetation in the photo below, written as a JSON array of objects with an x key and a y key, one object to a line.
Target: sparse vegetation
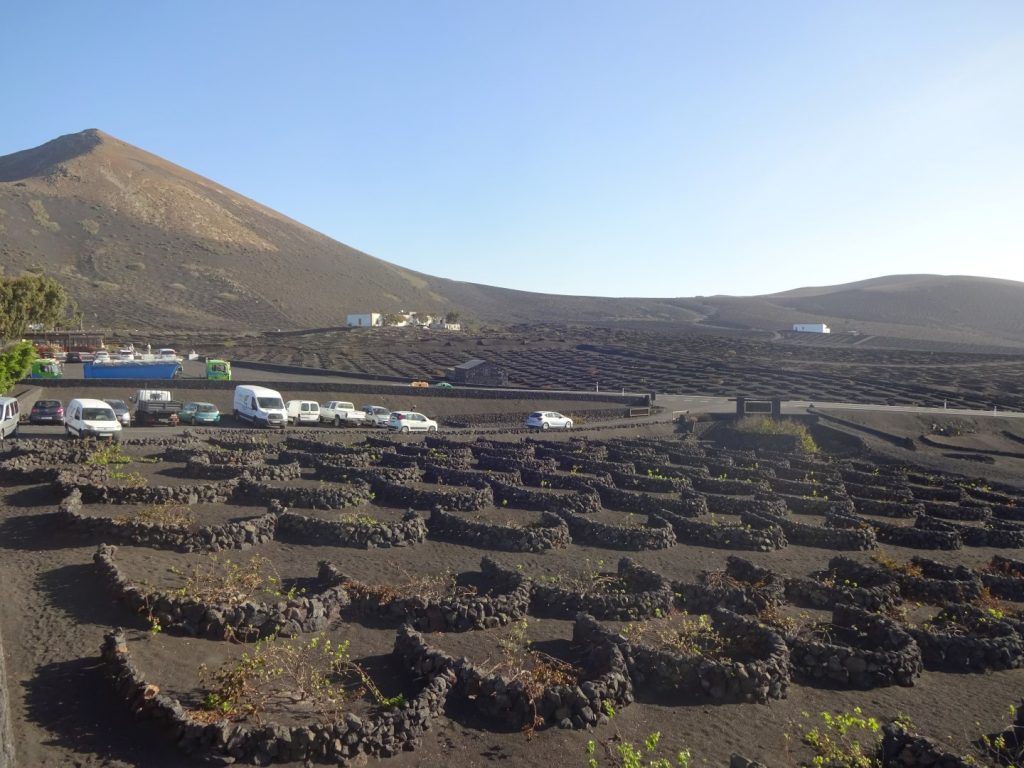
[{"x": 765, "y": 425}]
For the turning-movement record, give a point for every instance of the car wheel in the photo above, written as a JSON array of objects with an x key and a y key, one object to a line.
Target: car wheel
[
  {"x": 545, "y": 425},
  {"x": 337, "y": 421},
  {"x": 404, "y": 430},
  {"x": 568, "y": 425},
  {"x": 431, "y": 429}
]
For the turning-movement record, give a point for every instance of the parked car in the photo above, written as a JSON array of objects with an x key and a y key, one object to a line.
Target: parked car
[
  {"x": 10, "y": 417},
  {"x": 86, "y": 417},
  {"x": 199, "y": 413},
  {"x": 376, "y": 415},
  {"x": 260, "y": 406},
  {"x": 122, "y": 411},
  {"x": 548, "y": 420},
  {"x": 303, "y": 411},
  {"x": 410, "y": 421},
  {"x": 47, "y": 412},
  {"x": 419, "y": 384},
  {"x": 443, "y": 385},
  {"x": 338, "y": 412},
  {"x": 102, "y": 356},
  {"x": 73, "y": 357}
]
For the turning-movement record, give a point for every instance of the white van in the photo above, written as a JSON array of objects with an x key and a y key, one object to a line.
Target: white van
[
  {"x": 261, "y": 406},
  {"x": 86, "y": 417},
  {"x": 303, "y": 411},
  {"x": 10, "y": 416}
]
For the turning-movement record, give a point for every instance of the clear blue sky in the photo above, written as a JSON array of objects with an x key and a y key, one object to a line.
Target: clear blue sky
[{"x": 608, "y": 148}]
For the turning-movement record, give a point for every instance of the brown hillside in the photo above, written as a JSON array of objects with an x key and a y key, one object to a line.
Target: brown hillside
[{"x": 141, "y": 242}]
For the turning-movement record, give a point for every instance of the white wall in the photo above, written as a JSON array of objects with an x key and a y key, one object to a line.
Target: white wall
[{"x": 812, "y": 328}]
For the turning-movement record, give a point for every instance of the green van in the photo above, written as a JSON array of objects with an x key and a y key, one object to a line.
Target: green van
[{"x": 218, "y": 370}]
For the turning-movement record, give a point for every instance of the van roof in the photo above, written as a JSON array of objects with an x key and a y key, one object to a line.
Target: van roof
[
  {"x": 89, "y": 402},
  {"x": 255, "y": 390}
]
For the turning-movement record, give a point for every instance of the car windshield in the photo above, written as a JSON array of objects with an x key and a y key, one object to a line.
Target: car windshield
[
  {"x": 97, "y": 414},
  {"x": 269, "y": 402},
  {"x": 48, "y": 404},
  {"x": 206, "y": 408},
  {"x": 117, "y": 405}
]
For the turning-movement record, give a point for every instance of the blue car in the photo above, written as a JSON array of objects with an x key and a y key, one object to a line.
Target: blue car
[{"x": 199, "y": 413}]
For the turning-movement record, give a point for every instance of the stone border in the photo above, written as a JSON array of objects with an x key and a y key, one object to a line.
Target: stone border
[
  {"x": 93, "y": 483},
  {"x": 655, "y": 533},
  {"x": 380, "y": 735},
  {"x": 996, "y": 647},
  {"x": 760, "y": 588},
  {"x": 887, "y": 656},
  {"x": 509, "y": 602},
  {"x": 335, "y": 496},
  {"x": 765, "y": 538},
  {"x": 412, "y": 529},
  {"x": 901, "y": 749},
  {"x": 915, "y": 538},
  {"x": 461, "y": 498},
  {"x": 241, "y": 535},
  {"x": 766, "y": 677},
  {"x": 646, "y": 594},
  {"x": 1007, "y": 581},
  {"x": 246, "y": 622},
  {"x": 552, "y": 533},
  {"x": 814, "y": 592},
  {"x": 998, "y": 533},
  {"x": 496, "y": 697}
]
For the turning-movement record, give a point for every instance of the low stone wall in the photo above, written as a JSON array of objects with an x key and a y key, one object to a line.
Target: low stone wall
[
  {"x": 504, "y": 698},
  {"x": 728, "y": 535},
  {"x": 1005, "y": 578},
  {"x": 357, "y": 533},
  {"x": 883, "y": 654},
  {"x": 649, "y": 483},
  {"x": 860, "y": 537},
  {"x": 901, "y": 749},
  {"x": 916, "y": 538},
  {"x": 27, "y": 470},
  {"x": 895, "y": 509},
  {"x": 507, "y": 601},
  {"x": 381, "y": 735},
  {"x": 644, "y": 594},
  {"x": 762, "y": 676},
  {"x": 581, "y": 502},
  {"x": 731, "y": 487},
  {"x": 460, "y": 498},
  {"x": 240, "y": 535},
  {"x": 963, "y": 511},
  {"x": 746, "y": 588},
  {"x": 976, "y": 536},
  {"x": 643, "y": 504},
  {"x": 656, "y": 533},
  {"x": 817, "y": 505},
  {"x": 247, "y": 621},
  {"x": 325, "y": 497},
  {"x": 434, "y": 473},
  {"x": 97, "y": 487},
  {"x": 989, "y": 645},
  {"x": 552, "y": 533},
  {"x": 822, "y": 594}
]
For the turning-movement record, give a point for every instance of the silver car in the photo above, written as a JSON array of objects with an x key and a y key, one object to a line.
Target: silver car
[
  {"x": 548, "y": 420},
  {"x": 376, "y": 415}
]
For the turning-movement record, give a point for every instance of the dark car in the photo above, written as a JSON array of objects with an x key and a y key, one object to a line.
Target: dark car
[
  {"x": 73, "y": 357},
  {"x": 47, "y": 412}
]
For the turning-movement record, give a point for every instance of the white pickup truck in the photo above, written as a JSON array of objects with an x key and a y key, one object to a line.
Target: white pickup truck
[{"x": 340, "y": 412}]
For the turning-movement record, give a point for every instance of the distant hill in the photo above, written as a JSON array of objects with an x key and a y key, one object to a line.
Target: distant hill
[
  {"x": 143, "y": 243},
  {"x": 934, "y": 307}
]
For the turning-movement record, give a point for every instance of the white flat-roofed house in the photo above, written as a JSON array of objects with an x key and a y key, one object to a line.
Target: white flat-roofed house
[
  {"x": 811, "y": 328},
  {"x": 367, "y": 320}
]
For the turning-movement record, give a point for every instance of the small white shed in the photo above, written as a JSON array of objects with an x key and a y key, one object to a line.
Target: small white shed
[
  {"x": 811, "y": 328},
  {"x": 368, "y": 320}
]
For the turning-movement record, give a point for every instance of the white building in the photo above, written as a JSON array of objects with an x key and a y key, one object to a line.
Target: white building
[
  {"x": 811, "y": 328},
  {"x": 369, "y": 320}
]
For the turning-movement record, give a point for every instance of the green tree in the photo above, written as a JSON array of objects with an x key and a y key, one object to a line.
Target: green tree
[
  {"x": 25, "y": 301},
  {"x": 451, "y": 317},
  {"x": 32, "y": 299}
]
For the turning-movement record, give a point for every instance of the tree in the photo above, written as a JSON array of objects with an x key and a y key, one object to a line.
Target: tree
[
  {"x": 32, "y": 299},
  {"x": 25, "y": 301},
  {"x": 451, "y": 317},
  {"x": 392, "y": 318}
]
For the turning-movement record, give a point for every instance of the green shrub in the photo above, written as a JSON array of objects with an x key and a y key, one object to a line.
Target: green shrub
[{"x": 765, "y": 425}]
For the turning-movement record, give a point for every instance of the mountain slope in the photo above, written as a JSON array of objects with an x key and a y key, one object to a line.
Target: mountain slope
[
  {"x": 142, "y": 243},
  {"x": 139, "y": 241}
]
